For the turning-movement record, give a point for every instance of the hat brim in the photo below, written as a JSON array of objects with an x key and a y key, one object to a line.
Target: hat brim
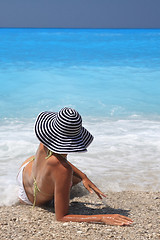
[{"x": 45, "y": 132}]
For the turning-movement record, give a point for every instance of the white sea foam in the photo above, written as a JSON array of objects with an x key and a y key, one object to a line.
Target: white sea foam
[
  {"x": 123, "y": 156},
  {"x": 17, "y": 142}
]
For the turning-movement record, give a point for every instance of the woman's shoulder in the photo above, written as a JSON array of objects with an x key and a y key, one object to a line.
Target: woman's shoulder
[{"x": 30, "y": 159}]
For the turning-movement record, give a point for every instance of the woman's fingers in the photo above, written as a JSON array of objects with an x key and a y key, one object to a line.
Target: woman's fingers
[
  {"x": 90, "y": 186},
  {"x": 116, "y": 219},
  {"x": 98, "y": 192},
  {"x": 123, "y": 220},
  {"x": 98, "y": 195}
]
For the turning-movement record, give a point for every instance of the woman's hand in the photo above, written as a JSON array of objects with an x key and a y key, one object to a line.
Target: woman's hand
[
  {"x": 116, "y": 219},
  {"x": 91, "y": 187}
]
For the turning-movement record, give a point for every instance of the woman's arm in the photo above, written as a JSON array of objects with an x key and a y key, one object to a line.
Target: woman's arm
[
  {"x": 62, "y": 176},
  {"x": 87, "y": 182},
  {"x": 77, "y": 172},
  {"x": 110, "y": 219},
  {"x": 62, "y": 190}
]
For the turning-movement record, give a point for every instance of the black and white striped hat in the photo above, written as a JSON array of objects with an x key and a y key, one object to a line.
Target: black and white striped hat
[{"x": 62, "y": 132}]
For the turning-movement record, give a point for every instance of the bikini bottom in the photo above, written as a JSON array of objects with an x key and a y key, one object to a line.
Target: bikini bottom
[{"x": 21, "y": 193}]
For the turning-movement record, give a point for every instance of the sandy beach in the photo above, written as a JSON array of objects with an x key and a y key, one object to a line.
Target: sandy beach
[{"x": 26, "y": 222}]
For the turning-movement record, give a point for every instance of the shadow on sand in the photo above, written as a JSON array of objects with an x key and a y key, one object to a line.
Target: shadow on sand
[{"x": 87, "y": 208}]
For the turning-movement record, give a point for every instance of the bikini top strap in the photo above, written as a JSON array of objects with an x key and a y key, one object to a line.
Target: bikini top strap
[
  {"x": 32, "y": 159},
  {"x": 49, "y": 154}
]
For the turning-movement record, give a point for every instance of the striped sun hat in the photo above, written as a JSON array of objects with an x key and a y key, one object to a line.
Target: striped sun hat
[{"x": 62, "y": 132}]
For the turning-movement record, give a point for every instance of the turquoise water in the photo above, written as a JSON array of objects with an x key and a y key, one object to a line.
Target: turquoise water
[
  {"x": 112, "y": 77},
  {"x": 100, "y": 72}
]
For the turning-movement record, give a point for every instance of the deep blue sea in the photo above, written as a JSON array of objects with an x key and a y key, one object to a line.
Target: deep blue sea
[{"x": 111, "y": 76}]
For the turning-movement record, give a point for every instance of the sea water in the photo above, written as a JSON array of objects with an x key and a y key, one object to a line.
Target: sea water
[{"x": 111, "y": 76}]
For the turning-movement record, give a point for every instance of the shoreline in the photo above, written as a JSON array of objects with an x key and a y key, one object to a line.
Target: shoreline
[{"x": 25, "y": 222}]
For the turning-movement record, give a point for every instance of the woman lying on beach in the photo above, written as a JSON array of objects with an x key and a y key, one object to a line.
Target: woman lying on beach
[{"x": 49, "y": 174}]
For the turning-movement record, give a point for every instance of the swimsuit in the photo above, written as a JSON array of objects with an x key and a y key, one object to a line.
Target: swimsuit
[{"x": 22, "y": 194}]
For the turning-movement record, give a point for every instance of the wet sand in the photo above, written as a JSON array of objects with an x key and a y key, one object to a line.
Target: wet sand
[{"x": 25, "y": 222}]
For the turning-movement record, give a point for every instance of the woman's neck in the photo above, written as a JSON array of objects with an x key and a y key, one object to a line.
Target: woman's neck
[
  {"x": 64, "y": 155},
  {"x": 46, "y": 150}
]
